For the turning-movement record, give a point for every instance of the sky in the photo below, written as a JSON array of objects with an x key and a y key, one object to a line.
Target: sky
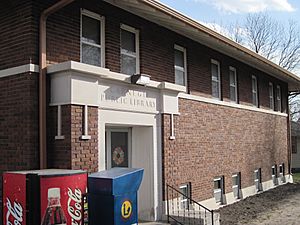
[
  {"x": 225, "y": 12},
  {"x": 221, "y": 14}
]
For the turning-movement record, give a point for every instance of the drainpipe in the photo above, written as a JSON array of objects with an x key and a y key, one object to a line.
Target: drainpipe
[{"x": 42, "y": 78}]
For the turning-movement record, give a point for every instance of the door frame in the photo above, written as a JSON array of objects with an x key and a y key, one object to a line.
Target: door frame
[{"x": 108, "y": 131}]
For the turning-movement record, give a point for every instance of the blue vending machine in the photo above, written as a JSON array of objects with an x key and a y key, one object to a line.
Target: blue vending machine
[{"x": 112, "y": 198}]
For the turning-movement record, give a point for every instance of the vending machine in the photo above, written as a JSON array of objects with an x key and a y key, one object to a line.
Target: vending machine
[{"x": 44, "y": 197}]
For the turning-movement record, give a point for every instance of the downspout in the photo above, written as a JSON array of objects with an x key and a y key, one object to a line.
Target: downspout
[{"x": 42, "y": 78}]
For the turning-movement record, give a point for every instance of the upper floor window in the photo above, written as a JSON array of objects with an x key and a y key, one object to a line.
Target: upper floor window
[
  {"x": 254, "y": 91},
  {"x": 271, "y": 95},
  {"x": 92, "y": 38},
  {"x": 215, "y": 78},
  {"x": 180, "y": 65},
  {"x": 130, "y": 62},
  {"x": 233, "y": 84},
  {"x": 278, "y": 98}
]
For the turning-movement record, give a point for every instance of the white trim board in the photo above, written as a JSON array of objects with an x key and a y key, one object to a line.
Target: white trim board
[
  {"x": 229, "y": 104},
  {"x": 19, "y": 69}
]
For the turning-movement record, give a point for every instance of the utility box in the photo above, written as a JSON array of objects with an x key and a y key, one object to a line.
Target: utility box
[{"x": 112, "y": 197}]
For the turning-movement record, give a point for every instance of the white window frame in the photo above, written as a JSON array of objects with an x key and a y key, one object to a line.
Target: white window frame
[
  {"x": 219, "y": 190},
  {"x": 238, "y": 175},
  {"x": 184, "y": 70},
  {"x": 254, "y": 91},
  {"x": 258, "y": 180},
  {"x": 184, "y": 201},
  {"x": 233, "y": 69},
  {"x": 215, "y": 62},
  {"x": 278, "y": 98},
  {"x": 274, "y": 174},
  {"x": 96, "y": 16},
  {"x": 271, "y": 97},
  {"x": 136, "y": 33}
]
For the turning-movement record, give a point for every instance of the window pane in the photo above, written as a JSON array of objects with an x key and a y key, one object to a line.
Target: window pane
[
  {"x": 128, "y": 64},
  {"x": 91, "y": 55},
  {"x": 119, "y": 149},
  {"x": 254, "y": 99},
  {"x": 179, "y": 58},
  {"x": 270, "y": 90},
  {"x": 217, "y": 184},
  {"x": 232, "y": 94},
  {"x": 179, "y": 77},
  {"x": 235, "y": 180},
  {"x": 254, "y": 84},
  {"x": 128, "y": 41},
  {"x": 214, "y": 71},
  {"x": 91, "y": 30},
  {"x": 232, "y": 78},
  {"x": 215, "y": 89}
]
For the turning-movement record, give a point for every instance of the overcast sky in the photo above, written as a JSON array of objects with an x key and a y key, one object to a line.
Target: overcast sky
[{"x": 228, "y": 11}]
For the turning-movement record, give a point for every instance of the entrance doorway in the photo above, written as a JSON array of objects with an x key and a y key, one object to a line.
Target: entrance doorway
[{"x": 118, "y": 147}]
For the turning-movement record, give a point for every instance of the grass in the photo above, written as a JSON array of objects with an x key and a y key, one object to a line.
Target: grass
[{"x": 296, "y": 177}]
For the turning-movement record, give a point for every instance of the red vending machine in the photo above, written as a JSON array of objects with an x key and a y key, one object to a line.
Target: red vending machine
[{"x": 44, "y": 197}]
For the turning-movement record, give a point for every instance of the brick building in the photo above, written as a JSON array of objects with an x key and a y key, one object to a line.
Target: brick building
[{"x": 211, "y": 112}]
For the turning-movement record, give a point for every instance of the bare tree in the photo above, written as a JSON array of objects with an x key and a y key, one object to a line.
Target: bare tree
[{"x": 269, "y": 38}]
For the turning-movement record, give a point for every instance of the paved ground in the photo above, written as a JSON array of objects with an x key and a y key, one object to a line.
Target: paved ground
[{"x": 279, "y": 206}]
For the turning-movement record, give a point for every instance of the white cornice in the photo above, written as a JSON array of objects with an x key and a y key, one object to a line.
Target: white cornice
[{"x": 19, "y": 69}]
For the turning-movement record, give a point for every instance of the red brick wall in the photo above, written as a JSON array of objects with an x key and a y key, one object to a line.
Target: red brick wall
[
  {"x": 59, "y": 151},
  {"x": 84, "y": 152},
  {"x": 18, "y": 42},
  {"x": 214, "y": 140},
  {"x": 18, "y": 123},
  {"x": 73, "y": 152}
]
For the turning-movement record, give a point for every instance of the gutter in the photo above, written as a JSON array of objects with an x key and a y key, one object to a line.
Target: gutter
[{"x": 42, "y": 78}]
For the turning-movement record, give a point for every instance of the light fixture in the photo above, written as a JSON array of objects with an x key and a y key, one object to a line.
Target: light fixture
[{"x": 141, "y": 79}]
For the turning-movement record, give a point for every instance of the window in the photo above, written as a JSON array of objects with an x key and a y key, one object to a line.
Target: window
[
  {"x": 274, "y": 174},
  {"x": 219, "y": 189},
  {"x": 186, "y": 194},
  {"x": 180, "y": 65},
  {"x": 92, "y": 38},
  {"x": 215, "y": 78},
  {"x": 236, "y": 185},
  {"x": 254, "y": 91},
  {"x": 282, "y": 173},
  {"x": 278, "y": 98},
  {"x": 271, "y": 95},
  {"x": 294, "y": 144},
  {"x": 130, "y": 62},
  {"x": 257, "y": 180},
  {"x": 233, "y": 84}
]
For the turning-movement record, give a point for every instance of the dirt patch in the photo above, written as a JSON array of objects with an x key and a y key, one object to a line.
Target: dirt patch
[{"x": 277, "y": 206}]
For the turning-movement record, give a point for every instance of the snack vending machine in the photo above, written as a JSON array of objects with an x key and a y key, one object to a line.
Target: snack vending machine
[{"x": 44, "y": 197}]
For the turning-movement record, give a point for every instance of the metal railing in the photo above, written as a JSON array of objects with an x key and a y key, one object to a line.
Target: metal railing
[{"x": 183, "y": 210}]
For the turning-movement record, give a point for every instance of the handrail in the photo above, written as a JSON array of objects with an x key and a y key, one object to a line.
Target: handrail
[{"x": 191, "y": 201}]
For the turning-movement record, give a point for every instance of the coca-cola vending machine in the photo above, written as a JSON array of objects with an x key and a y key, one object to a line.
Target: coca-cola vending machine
[{"x": 44, "y": 197}]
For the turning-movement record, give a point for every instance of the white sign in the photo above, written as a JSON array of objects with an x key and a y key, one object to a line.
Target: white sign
[{"x": 118, "y": 97}]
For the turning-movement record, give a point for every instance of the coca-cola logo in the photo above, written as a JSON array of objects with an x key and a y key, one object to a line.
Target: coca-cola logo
[
  {"x": 74, "y": 206},
  {"x": 16, "y": 211}
]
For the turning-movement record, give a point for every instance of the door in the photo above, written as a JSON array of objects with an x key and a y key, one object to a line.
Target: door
[{"x": 118, "y": 147}]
